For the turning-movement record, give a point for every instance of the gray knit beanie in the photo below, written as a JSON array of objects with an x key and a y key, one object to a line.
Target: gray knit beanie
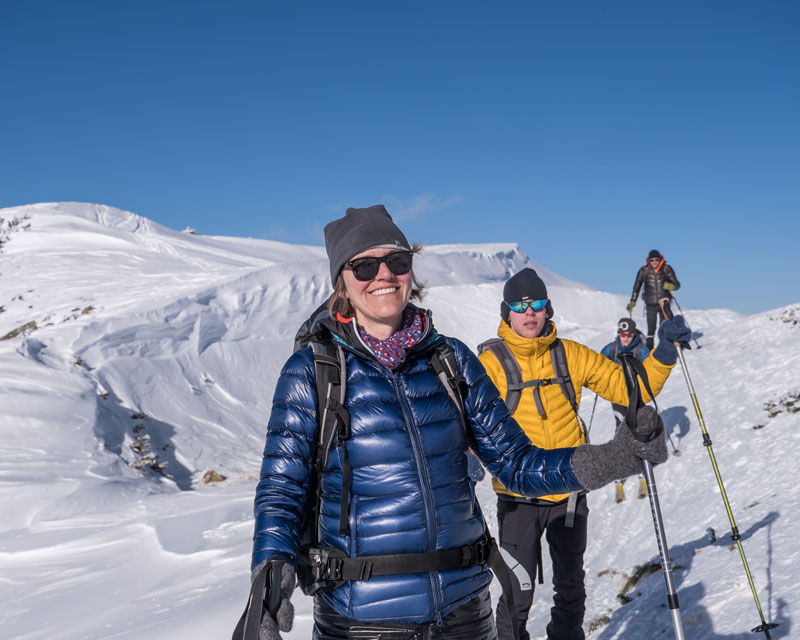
[{"x": 357, "y": 231}]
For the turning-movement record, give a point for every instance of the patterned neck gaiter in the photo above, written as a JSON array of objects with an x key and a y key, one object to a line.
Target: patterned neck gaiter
[{"x": 392, "y": 351}]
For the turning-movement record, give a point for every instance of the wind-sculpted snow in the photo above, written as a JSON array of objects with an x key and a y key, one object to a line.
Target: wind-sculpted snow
[{"x": 143, "y": 357}]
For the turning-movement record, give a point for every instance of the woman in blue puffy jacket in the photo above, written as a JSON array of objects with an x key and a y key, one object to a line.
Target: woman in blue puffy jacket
[{"x": 401, "y": 541}]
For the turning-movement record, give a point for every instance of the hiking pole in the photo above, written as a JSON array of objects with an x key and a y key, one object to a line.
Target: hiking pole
[
  {"x": 675, "y": 450},
  {"x": 589, "y": 428},
  {"x": 634, "y": 400},
  {"x": 663, "y": 550},
  {"x": 675, "y": 300},
  {"x": 764, "y": 626}
]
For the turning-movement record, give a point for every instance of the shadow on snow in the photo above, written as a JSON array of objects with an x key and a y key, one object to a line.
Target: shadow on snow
[{"x": 647, "y": 615}]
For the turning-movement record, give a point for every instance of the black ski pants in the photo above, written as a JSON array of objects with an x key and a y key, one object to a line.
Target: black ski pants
[
  {"x": 654, "y": 318},
  {"x": 471, "y": 621},
  {"x": 521, "y": 525}
]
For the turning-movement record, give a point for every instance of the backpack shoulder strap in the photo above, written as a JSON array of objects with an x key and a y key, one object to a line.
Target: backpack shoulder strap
[
  {"x": 634, "y": 370},
  {"x": 514, "y": 384},
  {"x": 558, "y": 355},
  {"x": 614, "y": 351},
  {"x": 640, "y": 349},
  {"x": 443, "y": 361},
  {"x": 330, "y": 371}
]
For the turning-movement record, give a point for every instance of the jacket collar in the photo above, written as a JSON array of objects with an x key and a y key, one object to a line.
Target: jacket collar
[
  {"x": 634, "y": 343},
  {"x": 346, "y": 334},
  {"x": 527, "y": 347}
]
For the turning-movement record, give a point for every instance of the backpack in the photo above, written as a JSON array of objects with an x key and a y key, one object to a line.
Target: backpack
[
  {"x": 515, "y": 384},
  {"x": 514, "y": 387}
]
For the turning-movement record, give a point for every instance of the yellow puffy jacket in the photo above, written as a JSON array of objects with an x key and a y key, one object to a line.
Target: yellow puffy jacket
[{"x": 559, "y": 427}]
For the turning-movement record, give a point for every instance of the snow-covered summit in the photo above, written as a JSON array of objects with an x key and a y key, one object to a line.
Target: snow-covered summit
[
  {"x": 187, "y": 330},
  {"x": 135, "y": 358}
]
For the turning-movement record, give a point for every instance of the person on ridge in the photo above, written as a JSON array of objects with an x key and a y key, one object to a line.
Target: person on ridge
[
  {"x": 394, "y": 484},
  {"x": 547, "y": 375},
  {"x": 629, "y": 339},
  {"x": 659, "y": 282}
]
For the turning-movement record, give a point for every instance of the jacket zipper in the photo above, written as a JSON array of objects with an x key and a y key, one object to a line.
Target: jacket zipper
[
  {"x": 427, "y": 493},
  {"x": 416, "y": 444}
]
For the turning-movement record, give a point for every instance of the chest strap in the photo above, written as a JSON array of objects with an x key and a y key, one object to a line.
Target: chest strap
[
  {"x": 518, "y": 387},
  {"x": 332, "y": 564}
]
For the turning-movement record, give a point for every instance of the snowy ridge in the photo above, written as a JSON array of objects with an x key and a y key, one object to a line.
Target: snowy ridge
[{"x": 134, "y": 330}]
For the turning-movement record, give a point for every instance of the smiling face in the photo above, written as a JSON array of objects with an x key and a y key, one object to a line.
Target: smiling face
[
  {"x": 378, "y": 303},
  {"x": 528, "y": 324}
]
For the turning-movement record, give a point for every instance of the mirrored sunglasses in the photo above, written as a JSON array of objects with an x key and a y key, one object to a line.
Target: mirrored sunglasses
[
  {"x": 398, "y": 262},
  {"x": 522, "y": 307},
  {"x": 625, "y": 334}
]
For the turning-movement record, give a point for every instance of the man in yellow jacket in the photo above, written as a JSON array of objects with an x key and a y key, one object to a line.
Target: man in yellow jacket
[{"x": 548, "y": 414}]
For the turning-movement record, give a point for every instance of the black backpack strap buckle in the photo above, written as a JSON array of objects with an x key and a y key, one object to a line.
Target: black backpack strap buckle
[
  {"x": 334, "y": 569},
  {"x": 325, "y": 566},
  {"x": 482, "y": 549}
]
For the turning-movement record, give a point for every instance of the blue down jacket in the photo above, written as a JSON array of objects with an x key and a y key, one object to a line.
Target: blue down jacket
[{"x": 410, "y": 492}]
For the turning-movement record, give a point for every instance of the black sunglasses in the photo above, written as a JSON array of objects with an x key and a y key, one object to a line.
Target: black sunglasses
[{"x": 398, "y": 262}]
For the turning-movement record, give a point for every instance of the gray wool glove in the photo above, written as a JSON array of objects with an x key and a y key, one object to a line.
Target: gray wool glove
[
  {"x": 596, "y": 465},
  {"x": 278, "y": 609}
]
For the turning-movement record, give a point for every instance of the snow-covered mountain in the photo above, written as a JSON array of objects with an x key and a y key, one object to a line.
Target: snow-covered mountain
[{"x": 136, "y": 359}]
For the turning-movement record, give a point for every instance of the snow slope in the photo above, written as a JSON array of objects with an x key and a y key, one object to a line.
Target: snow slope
[{"x": 118, "y": 332}]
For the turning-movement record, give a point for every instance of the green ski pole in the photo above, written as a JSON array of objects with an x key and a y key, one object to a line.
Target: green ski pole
[{"x": 735, "y": 535}]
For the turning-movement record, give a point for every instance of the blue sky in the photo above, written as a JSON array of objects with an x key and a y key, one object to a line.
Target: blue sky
[{"x": 586, "y": 132}]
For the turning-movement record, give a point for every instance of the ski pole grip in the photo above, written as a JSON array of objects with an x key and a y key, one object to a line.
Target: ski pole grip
[
  {"x": 668, "y": 315},
  {"x": 665, "y": 310}
]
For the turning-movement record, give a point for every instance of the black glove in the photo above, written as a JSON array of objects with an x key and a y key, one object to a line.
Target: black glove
[
  {"x": 670, "y": 331},
  {"x": 278, "y": 610},
  {"x": 596, "y": 465}
]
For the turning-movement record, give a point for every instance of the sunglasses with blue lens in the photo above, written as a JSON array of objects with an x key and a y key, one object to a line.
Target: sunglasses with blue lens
[{"x": 522, "y": 307}]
